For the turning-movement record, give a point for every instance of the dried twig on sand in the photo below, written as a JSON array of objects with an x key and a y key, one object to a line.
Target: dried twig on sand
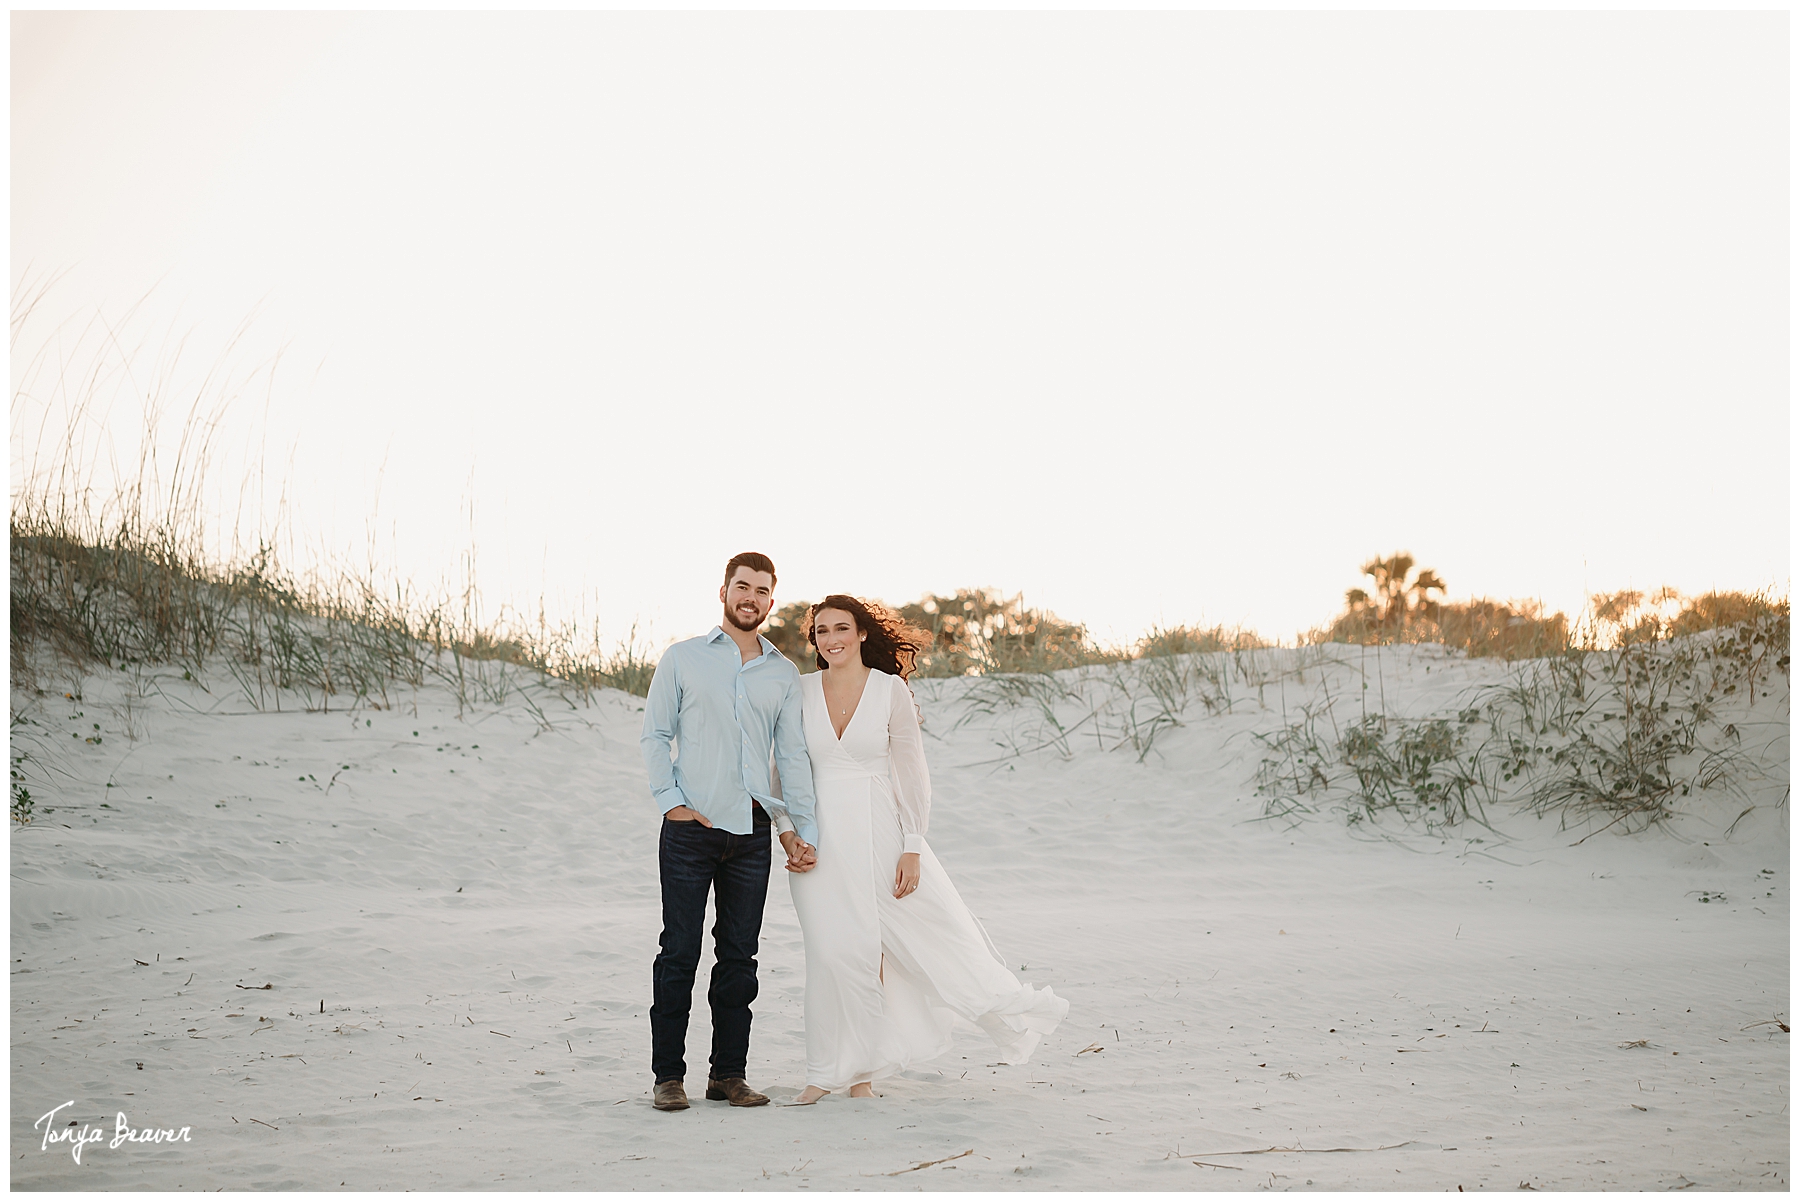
[
  {"x": 1263, "y": 1151},
  {"x": 925, "y": 1164},
  {"x": 1236, "y": 1168}
]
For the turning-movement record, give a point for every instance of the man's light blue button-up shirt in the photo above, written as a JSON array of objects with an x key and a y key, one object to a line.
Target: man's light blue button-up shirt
[{"x": 724, "y": 716}]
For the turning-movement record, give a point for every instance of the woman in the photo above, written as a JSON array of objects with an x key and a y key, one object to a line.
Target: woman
[{"x": 892, "y": 953}]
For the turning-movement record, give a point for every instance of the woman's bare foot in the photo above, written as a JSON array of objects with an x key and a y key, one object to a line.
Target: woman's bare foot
[
  {"x": 811, "y": 1094},
  {"x": 862, "y": 1089}
]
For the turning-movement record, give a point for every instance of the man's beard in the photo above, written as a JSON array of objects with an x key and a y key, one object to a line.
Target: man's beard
[{"x": 732, "y": 617}]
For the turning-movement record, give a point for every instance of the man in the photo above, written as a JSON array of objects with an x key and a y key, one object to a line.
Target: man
[{"x": 729, "y": 699}]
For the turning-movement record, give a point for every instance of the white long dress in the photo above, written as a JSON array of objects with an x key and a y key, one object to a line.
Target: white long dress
[{"x": 887, "y": 976}]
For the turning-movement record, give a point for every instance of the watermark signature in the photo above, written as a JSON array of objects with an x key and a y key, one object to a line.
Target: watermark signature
[{"x": 78, "y": 1136}]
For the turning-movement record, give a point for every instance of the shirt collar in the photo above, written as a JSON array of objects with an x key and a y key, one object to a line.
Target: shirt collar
[{"x": 718, "y": 632}]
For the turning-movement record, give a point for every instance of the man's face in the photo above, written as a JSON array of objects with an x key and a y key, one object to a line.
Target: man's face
[{"x": 748, "y": 598}]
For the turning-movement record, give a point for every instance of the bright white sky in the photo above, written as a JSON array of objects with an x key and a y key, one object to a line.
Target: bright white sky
[{"x": 1156, "y": 317}]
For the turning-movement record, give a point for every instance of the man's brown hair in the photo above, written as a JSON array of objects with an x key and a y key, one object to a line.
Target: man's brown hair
[{"x": 756, "y": 561}]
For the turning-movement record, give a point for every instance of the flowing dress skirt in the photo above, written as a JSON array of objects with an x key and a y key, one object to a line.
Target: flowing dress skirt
[{"x": 886, "y": 977}]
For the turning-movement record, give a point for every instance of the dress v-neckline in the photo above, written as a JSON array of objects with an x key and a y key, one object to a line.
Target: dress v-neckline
[{"x": 854, "y": 710}]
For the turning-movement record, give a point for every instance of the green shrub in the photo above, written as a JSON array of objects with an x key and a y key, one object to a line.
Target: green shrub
[
  {"x": 1712, "y": 610},
  {"x": 1402, "y": 610},
  {"x": 981, "y": 631},
  {"x": 1197, "y": 640}
]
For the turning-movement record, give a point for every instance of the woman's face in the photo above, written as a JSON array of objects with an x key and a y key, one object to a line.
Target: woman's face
[{"x": 837, "y": 638}]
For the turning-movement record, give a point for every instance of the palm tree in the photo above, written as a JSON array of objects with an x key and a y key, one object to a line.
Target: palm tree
[{"x": 1395, "y": 598}]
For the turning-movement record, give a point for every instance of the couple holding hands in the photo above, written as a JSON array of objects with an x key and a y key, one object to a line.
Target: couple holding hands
[{"x": 893, "y": 955}]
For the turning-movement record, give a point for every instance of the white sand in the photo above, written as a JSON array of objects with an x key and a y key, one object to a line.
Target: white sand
[{"x": 476, "y": 907}]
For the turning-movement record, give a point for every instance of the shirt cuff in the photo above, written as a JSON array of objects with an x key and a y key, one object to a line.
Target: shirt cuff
[
  {"x": 914, "y": 844},
  {"x": 780, "y": 819}
]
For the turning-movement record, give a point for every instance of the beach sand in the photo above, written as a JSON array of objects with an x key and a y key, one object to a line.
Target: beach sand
[{"x": 410, "y": 948}]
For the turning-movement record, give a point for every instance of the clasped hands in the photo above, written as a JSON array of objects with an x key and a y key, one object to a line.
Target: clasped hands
[
  {"x": 804, "y": 857},
  {"x": 801, "y": 855}
]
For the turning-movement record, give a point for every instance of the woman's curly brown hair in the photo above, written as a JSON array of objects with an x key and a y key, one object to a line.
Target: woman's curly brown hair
[{"x": 891, "y": 644}]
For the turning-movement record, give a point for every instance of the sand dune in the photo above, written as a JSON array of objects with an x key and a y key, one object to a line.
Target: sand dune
[{"x": 410, "y": 948}]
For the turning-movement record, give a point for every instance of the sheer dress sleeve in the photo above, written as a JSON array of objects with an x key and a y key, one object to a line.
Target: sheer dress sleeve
[{"x": 906, "y": 759}]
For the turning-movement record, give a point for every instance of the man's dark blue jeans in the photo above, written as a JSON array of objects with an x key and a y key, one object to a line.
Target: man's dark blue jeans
[{"x": 693, "y": 859}]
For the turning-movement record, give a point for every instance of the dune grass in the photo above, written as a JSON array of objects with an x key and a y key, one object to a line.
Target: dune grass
[
  {"x": 1603, "y": 738},
  {"x": 1612, "y": 715},
  {"x": 1614, "y": 734},
  {"x": 127, "y": 594},
  {"x": 136, "y": 572}
]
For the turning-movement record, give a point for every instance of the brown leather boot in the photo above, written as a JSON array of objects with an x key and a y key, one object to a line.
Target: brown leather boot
[
  {"x": 734, "y": 1090},
  {"x": 670, "y": 1095}
]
